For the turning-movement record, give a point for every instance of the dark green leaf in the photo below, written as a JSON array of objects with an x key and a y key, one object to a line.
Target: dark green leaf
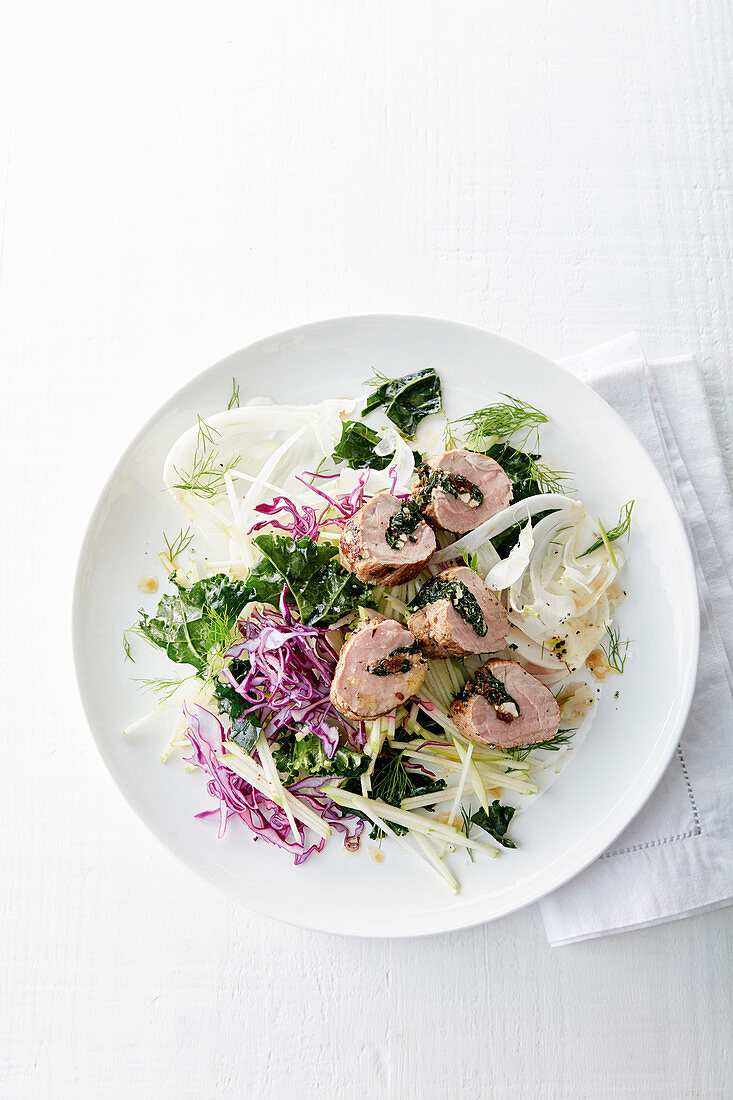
[
  {"x": 323, "y": 589},
  {"x": 518, "y": 467},
  {"x": 408, "y": 399},
  {"x": 496, "y": 822},
  {"x": 356, "y": 448},
  {"x": 265, "y": 583},
  {"x": 191, "y": 623},
  {"x": 306, "y": 756},
  {"x": 245, "y": 727}
]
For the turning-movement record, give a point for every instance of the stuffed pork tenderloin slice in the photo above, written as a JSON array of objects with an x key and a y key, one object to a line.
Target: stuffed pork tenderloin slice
[
  {"x": 460, "y": 489},
  {"x": 386, "y": 542},
  {"x": 379, "y": 668},
  {"x": 505, "y": 706},
  {"x": 457, "y": 615}
]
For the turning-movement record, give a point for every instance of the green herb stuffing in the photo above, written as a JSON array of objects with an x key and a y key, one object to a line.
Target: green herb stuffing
[
  {"x": 496, "y": 822},
  {"x": 485, "y": 683},
  {"x": 463, "y": 601},
  {"x": 322, "y": 589},
  {"x": 455, "y": 484},
  {"x": 396, "y": 662},
  {"x": 405, "y": 521},
  {"x": 406, "y": 400}
]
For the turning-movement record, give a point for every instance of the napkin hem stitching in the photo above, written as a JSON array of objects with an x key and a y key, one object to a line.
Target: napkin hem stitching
[{"x": 696, "y": 831}]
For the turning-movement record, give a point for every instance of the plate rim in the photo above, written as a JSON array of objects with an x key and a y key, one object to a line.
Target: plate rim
[{"x": 449, "y": 919}]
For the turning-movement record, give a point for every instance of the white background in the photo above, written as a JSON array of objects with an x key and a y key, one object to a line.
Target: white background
[{"x": 177, "y": 179}]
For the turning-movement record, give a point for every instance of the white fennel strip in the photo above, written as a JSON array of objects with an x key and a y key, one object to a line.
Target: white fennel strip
[
  {"x": 446, "y": 879},
  {"x": 250, "y": 497},
  {"x": 278, "y": 791},
  {"x": 409, "y": 819},
  {"x": 501, "y": 522},
  {"x": 461, "y": 786},
  {"x": 420, "y": 801},
  {"x": 437, "y": 864},
  {"x": 239, "y": 762},
  {"x": 474, "y": 774}
]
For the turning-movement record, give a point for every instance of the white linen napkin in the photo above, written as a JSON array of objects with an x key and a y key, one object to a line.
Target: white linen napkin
[{"x": 676, "y": 857}]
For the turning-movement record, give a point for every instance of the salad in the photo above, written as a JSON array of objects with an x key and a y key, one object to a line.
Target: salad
[{"x": 380, "y": 622}]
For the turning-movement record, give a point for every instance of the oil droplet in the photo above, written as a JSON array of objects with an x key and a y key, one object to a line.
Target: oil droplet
[{"x": 148, "y": 584}]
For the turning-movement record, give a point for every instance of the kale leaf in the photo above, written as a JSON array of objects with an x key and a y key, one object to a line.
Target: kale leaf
[
  {"x": 323, "y": 590},
  {"x": 496, "y": 822},
  {"x": 293, "y": 756},
  {"x": 245, "y": 727},
  {"x": 192, "y": 622},
  {"x": 519, "y": 467},
  {"x": 265, "y": 583},
  {"x": 408, "y": 399},
  {"x": 356, "y": 448}
]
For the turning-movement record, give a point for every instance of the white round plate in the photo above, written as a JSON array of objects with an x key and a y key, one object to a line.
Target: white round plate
[{"x": 602, "y": 788}]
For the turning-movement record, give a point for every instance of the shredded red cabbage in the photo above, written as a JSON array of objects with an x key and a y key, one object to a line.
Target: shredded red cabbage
[
  {"x": 291, "y": 667},
  {"x": 259, "y": 813},
  {"x": 303, "y": 521},
  {"x": 346, "y": 504}
]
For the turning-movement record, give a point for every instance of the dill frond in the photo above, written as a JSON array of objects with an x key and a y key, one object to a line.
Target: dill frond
[
  {"x": 501, "y": 420},
  {"x": 161, "y": 687},
  {"x": 548, "y": 480},
  {"x": 234, "y": 399},
  {"x": 553, "y": 744},
  {"x": 617, "y": 650},
  {"x": 467, "y": 826},
  {"x": 206, "y": 476},
  {"x": 607, "y": 537},
  {"x": 126, "y": 645},
  {"x": 177, "y": 545}
]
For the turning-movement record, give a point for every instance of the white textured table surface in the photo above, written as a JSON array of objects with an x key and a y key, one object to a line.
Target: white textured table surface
[{"x": 176, "y": 180}]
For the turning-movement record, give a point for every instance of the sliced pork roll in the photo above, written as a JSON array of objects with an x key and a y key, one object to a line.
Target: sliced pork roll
[
  {"x": 386, "y": 542},
  {"x": 460, "y": 489},
  {"x": 505, "y": 706},
  {"x": 457, "y": 615},
  {"x": 378, "y": 669}
]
